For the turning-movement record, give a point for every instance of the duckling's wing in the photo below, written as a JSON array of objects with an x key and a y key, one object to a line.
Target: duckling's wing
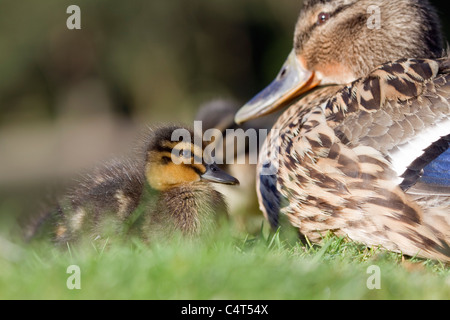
[{"x": 113, "y": 186}]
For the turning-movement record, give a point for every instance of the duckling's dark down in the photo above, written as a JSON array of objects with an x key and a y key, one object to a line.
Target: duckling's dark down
[{"x": 163, "y": 191}]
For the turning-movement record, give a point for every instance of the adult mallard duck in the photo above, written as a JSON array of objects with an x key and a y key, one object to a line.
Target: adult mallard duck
[
  {"x": 362, "y": 150},
  {"x": 161, "y": 191}
]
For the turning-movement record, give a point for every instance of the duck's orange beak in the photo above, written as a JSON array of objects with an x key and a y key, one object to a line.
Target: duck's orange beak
[{"x": 292, "y": 81}]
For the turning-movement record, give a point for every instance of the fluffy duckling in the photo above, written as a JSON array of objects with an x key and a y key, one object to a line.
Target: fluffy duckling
[{"x": 163, "y": 191}]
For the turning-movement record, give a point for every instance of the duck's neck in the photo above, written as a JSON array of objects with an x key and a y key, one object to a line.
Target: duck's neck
[{"x": 305, "y": 103}]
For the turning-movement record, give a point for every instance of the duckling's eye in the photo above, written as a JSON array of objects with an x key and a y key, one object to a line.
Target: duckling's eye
[
  {"x": 185, "y": 153},
  {"x": 165, "y": 160},
  {"x": 322, "y": 18}
]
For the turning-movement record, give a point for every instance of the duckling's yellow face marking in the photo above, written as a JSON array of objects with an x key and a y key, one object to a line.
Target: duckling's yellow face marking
[{"x": 173, "y": 164}]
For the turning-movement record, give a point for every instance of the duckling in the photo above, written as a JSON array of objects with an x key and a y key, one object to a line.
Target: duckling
[
  {"x": 363, "y": 148},
  {"x": 164, "y": 190}
]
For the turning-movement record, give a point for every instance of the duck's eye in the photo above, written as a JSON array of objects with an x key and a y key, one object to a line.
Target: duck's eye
[{"x": 322, "y": 18}]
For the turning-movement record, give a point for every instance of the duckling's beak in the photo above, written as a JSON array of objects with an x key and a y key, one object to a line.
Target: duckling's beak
[
  {"x": 215, "y": 174},
  {"x": 292, "y": 81}
]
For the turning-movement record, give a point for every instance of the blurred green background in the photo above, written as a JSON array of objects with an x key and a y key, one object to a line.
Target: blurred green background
[{"x": 69, "y": 98}]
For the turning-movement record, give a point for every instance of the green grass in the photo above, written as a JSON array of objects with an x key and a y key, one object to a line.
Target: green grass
[{"x": 224, "y": 266}]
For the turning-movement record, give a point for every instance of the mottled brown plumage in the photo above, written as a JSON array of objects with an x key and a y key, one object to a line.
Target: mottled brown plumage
[
  {"x": 352, "y": 154},
  {"x": 153, "y": 195}
]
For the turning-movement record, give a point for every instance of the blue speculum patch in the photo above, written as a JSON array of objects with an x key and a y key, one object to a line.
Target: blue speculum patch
[{"x": 438, "y": 171}]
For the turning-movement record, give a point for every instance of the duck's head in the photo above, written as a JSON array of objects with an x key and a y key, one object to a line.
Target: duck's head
[
  {"x": 339, "y": 41},
  {"x": 175, "y": 157}
]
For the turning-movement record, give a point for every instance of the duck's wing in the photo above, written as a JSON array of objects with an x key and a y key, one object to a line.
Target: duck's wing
[
  {"x": 429, "y": 174},
  {"x": 325, "y": 183},
  {"x": 341, "y": 160},
  {"x": 401, "y": 109}
]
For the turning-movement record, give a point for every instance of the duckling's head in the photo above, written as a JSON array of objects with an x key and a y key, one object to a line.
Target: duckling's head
[
  {"x": 339, "y": 41},
  {"x": 175, "y": 157}
]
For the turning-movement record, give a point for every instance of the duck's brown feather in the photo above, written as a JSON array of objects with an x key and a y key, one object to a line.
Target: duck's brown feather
[{"x": 335, "y": 173}]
